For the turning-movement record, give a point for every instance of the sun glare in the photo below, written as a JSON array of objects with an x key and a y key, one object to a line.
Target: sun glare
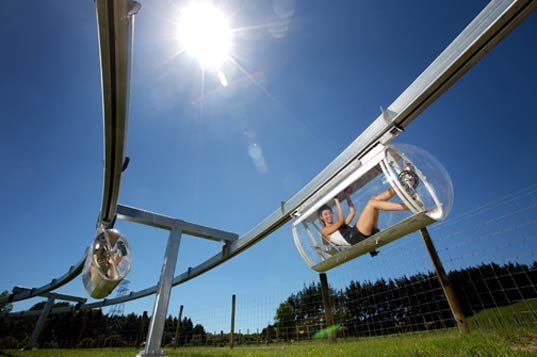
[{"x": 205, "y": 34}]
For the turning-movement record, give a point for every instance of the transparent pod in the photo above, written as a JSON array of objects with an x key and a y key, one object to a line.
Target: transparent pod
[
  {"x": 399, "y": 173},
  {"x": 108, "y": 262}
]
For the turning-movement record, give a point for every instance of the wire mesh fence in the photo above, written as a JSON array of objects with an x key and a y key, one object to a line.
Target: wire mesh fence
[{"x": 489, "y": 255}]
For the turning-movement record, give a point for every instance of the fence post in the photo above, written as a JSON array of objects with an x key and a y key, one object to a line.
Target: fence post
[
  {"x": 233, "y": 300},
  {"x": 82, "y": 314},
  {"x": 451, "y": 298},
  {"x": 177, "y": 327},
  {"x": 329, "y": 317},
  {"x": 141, "y": 330}
]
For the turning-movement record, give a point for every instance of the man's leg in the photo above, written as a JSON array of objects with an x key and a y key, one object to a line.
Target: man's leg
[
  {"x": 385, "y": 195},
  {"x": 369, "y": 217}
]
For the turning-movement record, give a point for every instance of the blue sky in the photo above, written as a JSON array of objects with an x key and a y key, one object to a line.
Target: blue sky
[{"x": 315, "y": 87}]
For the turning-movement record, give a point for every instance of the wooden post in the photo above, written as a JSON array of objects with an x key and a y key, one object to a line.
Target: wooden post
[
  {"x": 453, "y": 302},
  {"x": 178, "y": 327},
  {"x": 221, "y": 338},
  {"x": 233, "y": 300},
  {"x": 83, "y": 317},
  {"x": 329, "y": 317},
  {"x": 141, "y": 330}
]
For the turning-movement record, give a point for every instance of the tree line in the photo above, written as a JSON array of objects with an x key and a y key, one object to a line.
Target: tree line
[
  {"x": 367, "y": 308},
  {"x": 92, "y": 328},
  {"x": 404, "y": 304}
]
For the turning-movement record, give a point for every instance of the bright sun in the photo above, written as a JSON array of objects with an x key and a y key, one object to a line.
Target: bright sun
[{"x": 205, "y": 34}]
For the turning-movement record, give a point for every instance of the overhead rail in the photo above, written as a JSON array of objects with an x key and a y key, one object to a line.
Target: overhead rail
[
  {"x": 490, "y": 26},
  {"x": 115, "y": 20}
]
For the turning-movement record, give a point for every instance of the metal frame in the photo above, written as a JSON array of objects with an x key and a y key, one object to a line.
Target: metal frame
[
  {"x": 490, "y": 26},
  {"x": 43, "y": 314},
  {"x": 115, "y": 20},
  {"x": 176, "y": 227},
  {"x": 30, "y": 345},
  {"x": 162, "y": 298}
]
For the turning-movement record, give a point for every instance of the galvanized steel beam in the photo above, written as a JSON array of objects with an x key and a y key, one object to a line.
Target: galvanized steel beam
[
  {"x": 115, "y": 19},
  {"x": 57, "y": 296},
  {"x": 147, "y": 218}
]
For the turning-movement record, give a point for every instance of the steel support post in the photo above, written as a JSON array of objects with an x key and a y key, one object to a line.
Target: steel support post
[
  {"x": 178, "y": 327},
  {"x": 40, "y": 324},
  {"x": 156, "y": 326},
  {"x": 449, "y": 292},
  {"x": 232, "y": 330},
  {"x": 329, "y": 317}
]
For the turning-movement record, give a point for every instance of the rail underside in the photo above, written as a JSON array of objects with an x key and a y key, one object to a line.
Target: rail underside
[
  {"x": 398, "y": 230},
  {"x": 115, "y": 26},
  {"x": 496, "y": 20}
]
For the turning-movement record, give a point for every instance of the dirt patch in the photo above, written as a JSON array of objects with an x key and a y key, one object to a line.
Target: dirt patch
[
  {"x": 529, "y": 336},
  {"x": 524, "y": 348},
  {"x": 529, "y": 343}
]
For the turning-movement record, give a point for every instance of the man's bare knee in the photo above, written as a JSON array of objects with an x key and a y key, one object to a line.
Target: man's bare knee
[{"x": 373, "y": 202}]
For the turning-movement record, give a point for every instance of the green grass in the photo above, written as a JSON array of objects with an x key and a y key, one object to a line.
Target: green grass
[
  {"x": 520, "y": 315},
  {"x": 440, "y": 343},
  {"x": 506, "y": 331}
]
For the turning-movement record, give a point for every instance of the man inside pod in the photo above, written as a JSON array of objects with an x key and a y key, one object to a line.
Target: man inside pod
[{"x": 340, "y": 233}]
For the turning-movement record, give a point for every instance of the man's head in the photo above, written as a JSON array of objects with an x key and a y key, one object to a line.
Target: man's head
[{"x": 325, "y": 214}]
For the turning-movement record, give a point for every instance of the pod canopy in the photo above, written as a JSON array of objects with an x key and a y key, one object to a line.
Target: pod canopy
[
  {"x": 418, "y": 180},
  {"x": 108, "y": 262}
]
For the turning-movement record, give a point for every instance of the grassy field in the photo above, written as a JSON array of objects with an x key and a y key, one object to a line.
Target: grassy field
[
  {"x": 523, "y": 314},
  {"x": 517, "y": 342},
  {"x": 505, "y": 331}
]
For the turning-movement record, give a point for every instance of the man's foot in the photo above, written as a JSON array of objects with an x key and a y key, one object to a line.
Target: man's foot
[
  {"x": 374, "y": 253},
  {"x": 410, "y": 180}
]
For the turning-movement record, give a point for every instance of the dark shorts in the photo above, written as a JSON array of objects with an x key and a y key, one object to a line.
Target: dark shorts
[{"x": 354, "y": 236}]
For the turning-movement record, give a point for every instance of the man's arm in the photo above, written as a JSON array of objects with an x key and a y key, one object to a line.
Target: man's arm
[
  {"x": 352, "y": 210},
  {"x": 331, "y": 228}
]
